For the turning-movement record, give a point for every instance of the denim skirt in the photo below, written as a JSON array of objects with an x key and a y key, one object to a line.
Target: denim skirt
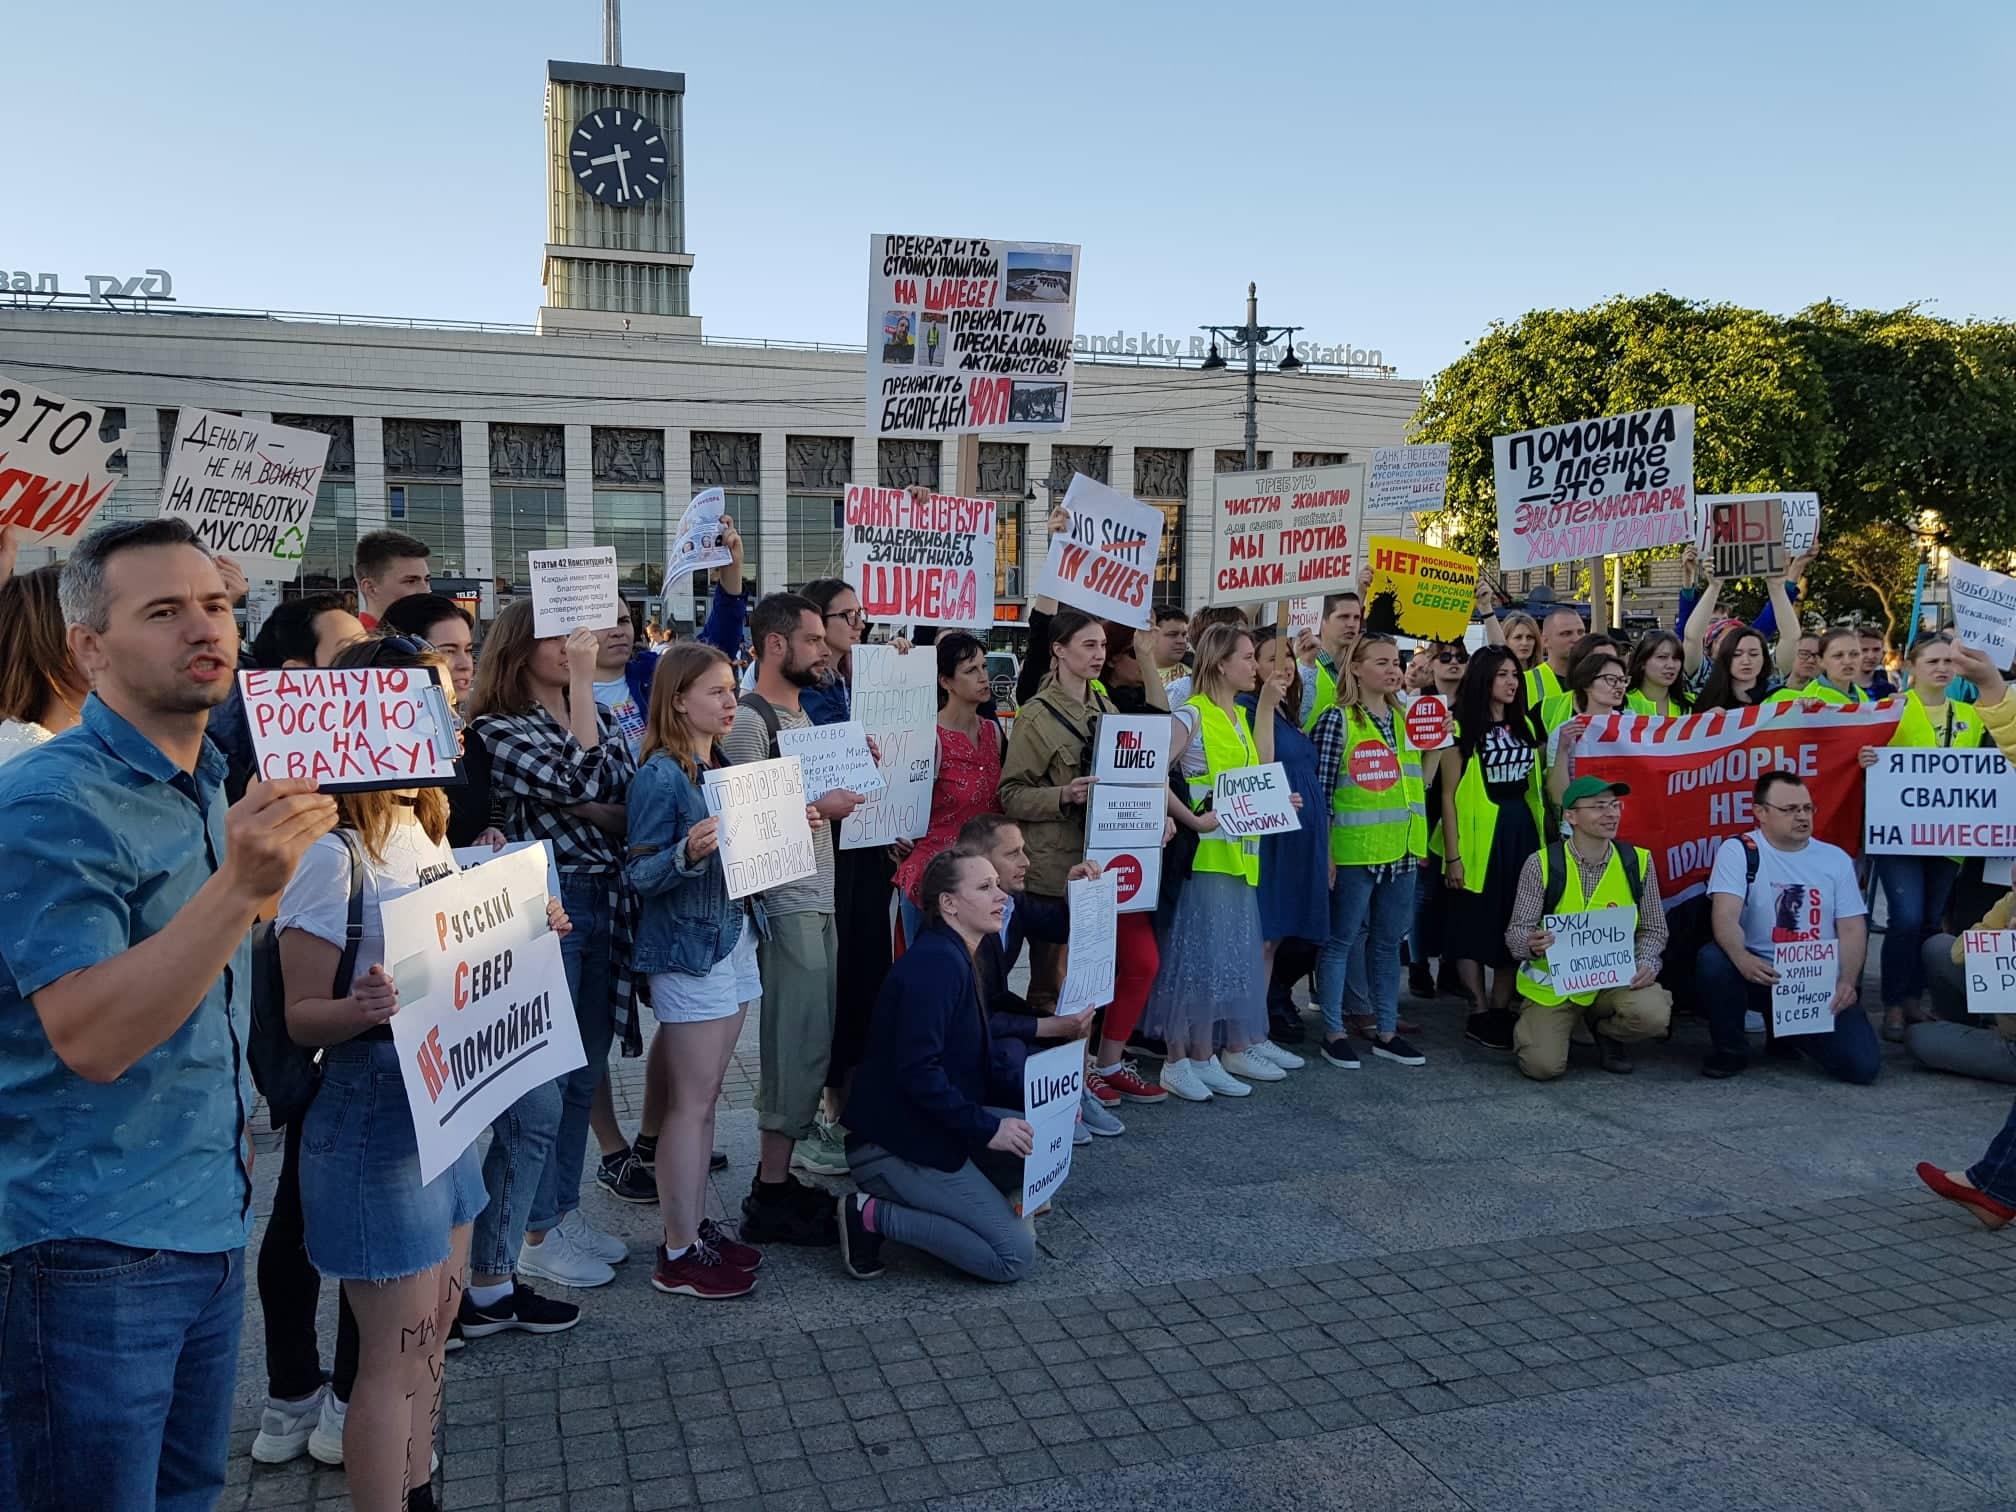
[{"x": 365, "y": 1213}]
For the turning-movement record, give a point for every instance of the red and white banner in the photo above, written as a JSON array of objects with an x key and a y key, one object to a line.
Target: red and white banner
[{"x": 1690, "y": 775}]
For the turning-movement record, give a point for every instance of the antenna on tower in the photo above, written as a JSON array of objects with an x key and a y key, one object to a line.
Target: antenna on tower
[{"x": 612, "y": 33}]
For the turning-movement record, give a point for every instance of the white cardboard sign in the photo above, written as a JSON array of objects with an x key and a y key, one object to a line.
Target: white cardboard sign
[
  {"x": 1282, "y": 534},
  {"x": 484, "y": 1013},
  {"x": 573, "y": 588},
  {"x": 1254, "y": 801},
  {"x": 1088, "y": 965},
  {"x": 247, "y": 488},
  {"x": 1991, "y": 970},
  {"x": 1132, "y": 748},
  {"x": 1591, "y": 488},
  {"x": 352, "y": 729},
  {"x": 1408, "y": 479},
  {"x": 1123, "y": 833},
  {"x": 834, "y": 756},
  {"x": 928, "y": 562},
  {"x": 696, "y": 545},
  {"x": 1052, "y": 1085},
  {"x": 1929, "y": 800},
  {"x": 1801, "y": 998},
  {"x": 54, "y": 470},
  {"x": 896, "y": 701},
  {"x": 1984, "y": 609},
  {"x": 1103, "y": 561},
  {"x": 765, "y": 838},
  {"x": 1592, "y": 950},
  {"x": 467, "y": 856}
]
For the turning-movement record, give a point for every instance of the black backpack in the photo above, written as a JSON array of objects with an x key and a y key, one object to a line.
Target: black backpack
[
  {"x": 287, "y": 1074},
  {"x": 1557, "y": 876},
  {"x": 761, "y": 707}
]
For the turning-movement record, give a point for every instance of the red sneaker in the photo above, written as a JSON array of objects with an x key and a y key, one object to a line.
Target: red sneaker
[
  {"x": 732, "y": 1251},
  {"x": 700, "y": 1272},
  {"x": 1126, "y": 1083},
  {"x": 1107, "y": 1095},
  {"x": 1991, "y": 1213}
]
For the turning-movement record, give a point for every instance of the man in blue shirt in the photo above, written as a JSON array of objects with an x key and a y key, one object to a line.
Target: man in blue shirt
[{"x": 125, "y": 1177}]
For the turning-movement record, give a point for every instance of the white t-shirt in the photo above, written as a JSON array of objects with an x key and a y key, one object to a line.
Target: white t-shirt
[
  {"x": 317, "y": 900},
  {"x": 622, "y": 706},
  {"x": 1797, "y": 896}
]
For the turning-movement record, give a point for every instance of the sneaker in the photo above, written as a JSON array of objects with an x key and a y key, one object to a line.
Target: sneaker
[
  {"x": 1094, "y": 1119},
  {"x": 789, "y": 1212},
  {"x": 524, "y": 1310},
  {"x": 563, "y": 1262},
  {"x": 717, "y": 1161},
  {"x": 1268, "y": 1051},
  {"x": 1420, "y": 981},
  {"x": 1080, "y": 1135},
  {"x": 702, "y": 1273},
  {"x": 1613, "y": 1057},
  {"x": 1492, "y": 1030},
  {"x": 286, "y": 1427},
  {"x": 860, "y": 1251},
  {"x": 742, "y": 1256},
  {"x": 325, "y": 1442},
  {"x": 1338, "y": 1052},
  {"x": 1215, "y": 1075},
  {"x": 1397, "y": 1049},
  {"x": 1102, "y": 1091},
  {"x": 1753, "y": 1021},
  {"x": 627, "y": 1178},
  {"x": 1180, "y": 1078},
  {"x": 1245, "y": 1063},
  {"x": 1126, "y": 1079},
  {"x": 1723, "y": 1064},
  {"x": 593, "y": 1241},
  {"x": 455, "y": 1340},
  {"x": 824, "y": 1154}
]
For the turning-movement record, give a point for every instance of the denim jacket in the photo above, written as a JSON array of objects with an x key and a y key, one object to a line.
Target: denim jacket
[{"x": 690, "y": 924}]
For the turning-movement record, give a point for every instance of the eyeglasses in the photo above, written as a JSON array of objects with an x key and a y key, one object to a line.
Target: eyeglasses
[
  {"x": 1796, "y": 810},
  {"x": 1611, "y": 680},
  {"x": 1458, "y": 657},
  {"x": 853, "y": 617}
]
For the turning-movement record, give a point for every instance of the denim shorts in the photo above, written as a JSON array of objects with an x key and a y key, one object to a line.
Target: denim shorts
[
  {"x": 365, "y": 1213},
  {"x": 677, "y": 998}
]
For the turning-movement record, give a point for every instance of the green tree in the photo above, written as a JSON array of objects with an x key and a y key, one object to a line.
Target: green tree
[{"x": 1868, "y": 570}]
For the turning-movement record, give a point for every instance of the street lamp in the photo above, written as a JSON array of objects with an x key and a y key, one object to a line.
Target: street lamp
[{"x": 1252, "y": 336}]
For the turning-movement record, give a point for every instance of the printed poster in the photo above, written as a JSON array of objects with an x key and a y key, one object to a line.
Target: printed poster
[
  {"x": 1746, "y": 538},
  {"x": 1103, "y": 561},
  {"x": 1418, "y": 590},
  {"x": 54, "y": 471},
  {"x": 928, "y": 562},
  {"x": 1053, "y": 1084},
  {"x": 1277, "y": 535},
  {"x": 1123, "y": 833},
  {"x": 1592, "y": 488},
  {"x": 247, "y": 488},
  {"x": 696, "y": 545},
  {"x": 573, "y": 588},
  {"x": 1088, "y": 965}
]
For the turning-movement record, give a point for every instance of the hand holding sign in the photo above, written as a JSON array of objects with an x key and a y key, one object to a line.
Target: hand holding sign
[
  {"x": 269, "y": 830},
  {"x": 1014, "y": 1137},
  {"x": 376, "y": 997}
]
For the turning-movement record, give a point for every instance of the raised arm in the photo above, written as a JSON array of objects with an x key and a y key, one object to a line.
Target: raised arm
[{"x": 1702, "y": 616}]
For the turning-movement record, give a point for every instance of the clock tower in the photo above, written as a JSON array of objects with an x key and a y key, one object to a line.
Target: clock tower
[{"x": 616, "y": 255}]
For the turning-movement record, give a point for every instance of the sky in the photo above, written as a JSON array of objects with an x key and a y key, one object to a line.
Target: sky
[{"x": 1394, "y": 177}]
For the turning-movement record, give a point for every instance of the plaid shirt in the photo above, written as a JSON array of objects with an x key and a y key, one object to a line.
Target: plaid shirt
[
  {"x": 538, "y": 772},
  {"x": 1331, "y": 741}
]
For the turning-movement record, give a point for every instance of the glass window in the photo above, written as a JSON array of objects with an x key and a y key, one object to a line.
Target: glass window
[
  {"x": 332, "y": 538},
  {"x": 1162, "y": 478},
  {"x": 633, "y": 521},
  {"x": 524, "y": 519},
  {"x": 812, "y": 532},
  {"x": 1004, "y": 478}
]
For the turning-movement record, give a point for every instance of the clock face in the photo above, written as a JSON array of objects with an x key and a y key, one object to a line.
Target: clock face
[{"x": 619, "y": 157}]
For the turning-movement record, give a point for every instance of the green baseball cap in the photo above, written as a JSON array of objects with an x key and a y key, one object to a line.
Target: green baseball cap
[{"x": 1584, "y": 788}]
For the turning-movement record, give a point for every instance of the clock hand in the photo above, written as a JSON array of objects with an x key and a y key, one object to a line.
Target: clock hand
[{"x": 623, "y": 173}]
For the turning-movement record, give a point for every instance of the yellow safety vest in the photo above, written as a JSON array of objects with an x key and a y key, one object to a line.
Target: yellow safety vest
[
  {"x": 1639, "y": 703},
  {"x": 1477, "y": 818},
  {"x": 1957, "y": 725},
  {"x": 1557, "y": 711},
  {"x": 1541, "y": 685},
  {"x": 1379, "y": 809},
  {"x": 1326, "y": 696},
  {"x": 1816, "y": 689},
  {"x": 1613, "y": 890},
  {"x": 1227, "y": 746}
]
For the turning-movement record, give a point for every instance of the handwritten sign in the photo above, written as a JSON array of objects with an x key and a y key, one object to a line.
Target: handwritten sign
[
  {"x": 1984, "y": 609},
  {"x": 1802, "y": 997},
  {"x": 1253, "y": 801},
  {"x": 1407, "y": 479},
  {"x": 1053, "y": 1084},
  {"x": 54, "y": 471},
  {"x": 1276, "y": 535},
  {"x": 484, "y": 1012},
  {"x": 696, "y": 546},
  {"x": 352, "y": 729},
  {"x": 1131, "y": 748},
  {"x": 1592, "y": 950},
  {"x": 833, "y": 756},
  {"x": 1104, "y": 559},
  {"x": 1746, "y": 537},
  {"x": 247, "y": 488},
  {"x": 1991, "y": 970},
  {"x": 1419, "y": 590},
  {"x": 573, "y": 588},
  {"x": 1088, "y": 965},
  {"x": 927, "y": 562},
  {"x": 896, "y": 700},
  {"x": 967, "y": 334},
  {"x": 1922, "y": 800},
  {"x": 1305, "y": 617},
  {"x": 1591, "y": 488},
  {"x": 765, "y": 838}
]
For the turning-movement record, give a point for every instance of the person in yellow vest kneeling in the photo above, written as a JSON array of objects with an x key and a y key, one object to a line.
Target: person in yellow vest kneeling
[{"x": 1589, "y": 870}]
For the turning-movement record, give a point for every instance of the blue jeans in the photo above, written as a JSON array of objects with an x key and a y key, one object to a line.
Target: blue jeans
[
  {"x": 1368, "y": 920},
  {"x": 585, "y": 952},
  {"x": 1995, "y": 1173},
  {"x": 117, "y": 1367},
  {"x": 1916, "y": 888},
  {"x": 1849, "y": 1053},
  {"x": 521, "y": 1148}
]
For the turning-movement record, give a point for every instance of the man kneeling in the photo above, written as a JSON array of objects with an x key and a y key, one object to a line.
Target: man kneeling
[{"x": 1588, "y": 870}]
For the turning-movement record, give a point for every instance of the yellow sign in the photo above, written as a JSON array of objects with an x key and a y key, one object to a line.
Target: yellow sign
[{"x": 1419, "y": 590}]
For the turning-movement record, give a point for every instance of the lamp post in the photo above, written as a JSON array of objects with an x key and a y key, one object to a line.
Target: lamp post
[{"x": 1252, "y": 336}]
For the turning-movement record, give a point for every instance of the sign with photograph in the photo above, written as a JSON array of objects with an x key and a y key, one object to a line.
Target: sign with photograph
[
  {"x": 764, "y": 837},
  {"x": 696, "y": 546},
  {"x": 920, "y": 562},
  {"x": 573, "y": 588},
  {"x": 54, "y": 469},
  {"x": 247, "y": 488},
  {"x": 1103, "y": 561},
  {"x": 352, "y": 729},
  {"x": 1592, "y": 488},
  {"x": 1277, "y": 535}
]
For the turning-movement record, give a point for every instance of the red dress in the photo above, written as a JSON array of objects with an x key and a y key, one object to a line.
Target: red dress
[{"x": 969, "y": 773}]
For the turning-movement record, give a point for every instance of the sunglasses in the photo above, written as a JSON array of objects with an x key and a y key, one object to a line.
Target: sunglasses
[{"x": 1459, "y": 658}]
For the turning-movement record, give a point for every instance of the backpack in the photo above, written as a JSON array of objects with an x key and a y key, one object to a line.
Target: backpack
[
  {"x": 288, "y": 1074},
  {"x": 1557, "y": 876},
  {"x": 761, "y": 707}
]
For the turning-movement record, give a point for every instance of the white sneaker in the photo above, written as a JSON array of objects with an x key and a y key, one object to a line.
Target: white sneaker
[
  {"x": 1179, "y": 1079},
  {"x": 1245, "y": 1063},
  {"x": 1753, "y": 1022},
  {"x": 592, "y": 1241},
  {"x": 1287, "y": 1060},
  {"x": 562, "y": 1261},
  {"x": 286, "y": 1427},
  {"x": 1222, "y": 1083},
  {"x": 325, "y": 1444}
]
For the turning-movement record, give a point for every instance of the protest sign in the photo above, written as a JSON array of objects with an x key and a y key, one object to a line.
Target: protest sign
[
  {"x": 573, "y": 588},
  {"x": 1801, "y": 513},
  {"x": 54, "y": 471},
  {"x": 262, "y": 597},
  {"x": 1305, "y": 617},
  {"x": 896, "y": 701},
  {"x": 1407, "y": 479},
  {"x": 484, "y": 1012},
  {"x": 1592, "y": 950},
  {"x": 833, "y": 756},
  {"x": 1104, "y": 559},
  {"x": 1999, "y": 871},
  {"x": 1088, "y": 965},
  {"x": 1924, "y": 800},
  {"x": 1417, "y": 590},
  {"x": 1430, "y": 726},
  {"x": 1802, "y": 998},
  {"x": 1052, "y": 1085},
  {"x": 1592, "y": 488},
  {"x": 1746, "y": 537},
  {"x": 764, "y": 837},
  {"x": 467, "y": 856},
  {"x": 1690, "y": 777},
  {"x": 352, "y": 729},
  {"x": 696, "y": 546},
  {"x": 1254, "y": 800},
  {"x": 967, "y": 334},
  {"x": 1123, "y": 833},
  {"x": 247, "y": 488},
  {"x": 1984, "y": 609},
  {"x": 1131, "y": 748},
  {"x": 1991, "y": 970},
  {"x": 1277, "y": 535},
  {"x": 928, "y": 563}
]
